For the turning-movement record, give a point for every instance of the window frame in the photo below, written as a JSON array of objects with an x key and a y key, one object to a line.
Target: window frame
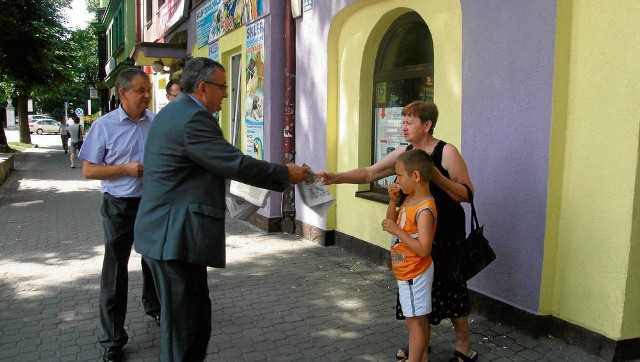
[{"x": 423, "y": 70}]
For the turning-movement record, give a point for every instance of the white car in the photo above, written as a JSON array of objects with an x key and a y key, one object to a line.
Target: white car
[
  {"x": 35, "y": 117},
  {"x": 46, "y": 125}
]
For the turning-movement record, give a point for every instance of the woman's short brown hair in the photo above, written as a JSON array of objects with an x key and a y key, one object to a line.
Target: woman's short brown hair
[{"x": 425, "y": 111}]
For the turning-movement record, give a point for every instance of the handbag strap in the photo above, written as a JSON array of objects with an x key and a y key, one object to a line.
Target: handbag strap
[{"x": 474, "y": 216}]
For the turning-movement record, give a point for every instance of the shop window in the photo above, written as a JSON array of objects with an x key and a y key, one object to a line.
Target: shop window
[
  {"x": 148, "y": 12},
  {"x": 403, "y": 73}
]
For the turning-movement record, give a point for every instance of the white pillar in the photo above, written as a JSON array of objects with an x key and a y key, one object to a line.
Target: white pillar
[{"x": 11, "y": 114}]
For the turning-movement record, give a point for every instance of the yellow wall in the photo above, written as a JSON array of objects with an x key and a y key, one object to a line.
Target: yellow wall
[
  {"x": 596, "y": 280},
  {"x": 353, "y": 43}
]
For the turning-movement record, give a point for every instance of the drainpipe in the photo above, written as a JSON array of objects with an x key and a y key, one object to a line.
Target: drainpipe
[
  {"x": 288, "y": 223},
  {"x": 139, "y": 21}
]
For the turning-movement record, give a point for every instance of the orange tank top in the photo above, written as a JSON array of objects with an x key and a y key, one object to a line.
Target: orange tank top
[{"x": 406, "y": 263}]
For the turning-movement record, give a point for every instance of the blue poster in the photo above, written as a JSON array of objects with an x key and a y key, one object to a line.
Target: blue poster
[{"x": 204, "y": 20}]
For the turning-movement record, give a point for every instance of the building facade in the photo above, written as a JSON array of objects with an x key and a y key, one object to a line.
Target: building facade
[
  {"x": 553, "y": 157},
  {"x": 537, "y": 96}
]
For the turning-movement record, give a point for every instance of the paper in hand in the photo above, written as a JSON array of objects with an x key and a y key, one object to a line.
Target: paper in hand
[{"x": 315, "y": 194}]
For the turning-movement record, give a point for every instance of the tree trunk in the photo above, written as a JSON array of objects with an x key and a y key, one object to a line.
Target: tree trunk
[
  {"x": 4, "y": 145},
  {"x": 23, "y": 120}
]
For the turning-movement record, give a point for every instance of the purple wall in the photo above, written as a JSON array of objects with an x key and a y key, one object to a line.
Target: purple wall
[
  {"x": 507, "y": 74},
  {"x": 274, "y": 95}
]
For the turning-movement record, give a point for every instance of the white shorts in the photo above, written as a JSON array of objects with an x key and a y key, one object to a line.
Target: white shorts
[{"x": 415, "y": 294}]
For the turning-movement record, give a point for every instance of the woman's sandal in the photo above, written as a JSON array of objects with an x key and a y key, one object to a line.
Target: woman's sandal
[
  {"x": 403, "y": 353},
  {"x": 471, "y": 358}
]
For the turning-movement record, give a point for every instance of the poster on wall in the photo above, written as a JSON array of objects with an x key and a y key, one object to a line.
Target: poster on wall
[
  {"x": 254, "y": 96},
  {"x": 227, "y": 15},
  {"x": 388, "y": 135},
  {"x": 253, "y": 9},
  {"x": 214, "y": 51},
  {"x": 218, "y": 17},
  {"x": 170, "y": 13},
  {"x": 204, "y": 21},
  {"x": 159, "y": 95}
]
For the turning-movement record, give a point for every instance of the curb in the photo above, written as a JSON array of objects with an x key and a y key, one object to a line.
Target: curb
[{"x": 6, "y": 166}]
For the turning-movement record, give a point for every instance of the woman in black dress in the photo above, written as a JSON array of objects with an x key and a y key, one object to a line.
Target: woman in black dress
[{"x": 450, "y": 298}]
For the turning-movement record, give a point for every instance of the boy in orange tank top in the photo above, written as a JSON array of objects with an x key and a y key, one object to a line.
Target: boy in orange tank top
[{"x": 413, "y": 231}]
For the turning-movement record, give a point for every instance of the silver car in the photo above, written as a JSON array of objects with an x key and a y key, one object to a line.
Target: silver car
[{"x": 41, "y": 126}]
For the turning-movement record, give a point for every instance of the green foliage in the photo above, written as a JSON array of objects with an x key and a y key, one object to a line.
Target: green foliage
[
  {"x": 82, "y": 49},
  {"x": 33, "y": 45},
  {"x": 42, "y": 59},
  {"x": 33, "y": 51},
  {"x": 93, "y": 6}
]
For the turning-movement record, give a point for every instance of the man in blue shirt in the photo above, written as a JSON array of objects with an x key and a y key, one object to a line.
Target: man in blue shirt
[{"x": 113, "y": 152}]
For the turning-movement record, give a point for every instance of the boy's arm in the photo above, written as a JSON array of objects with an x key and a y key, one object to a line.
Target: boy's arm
[
  {"x": 422, "y": 244},
  {"x": 394, "y": 192}
]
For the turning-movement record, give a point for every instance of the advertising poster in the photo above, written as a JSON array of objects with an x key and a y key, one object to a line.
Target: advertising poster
[
  {"x": 170, "y": 13},
  {"x": 253, "y": 9},
  {"x": 214, "y": 51},
  {"x": 218, "y": 17},
  {"x": 388, "y": 135},
  {"x": 227, "y": 15},
  {"x": 255, "y": 90},
  {"x": 160, "y": 91},
  {"x": 204, "y": 20}
]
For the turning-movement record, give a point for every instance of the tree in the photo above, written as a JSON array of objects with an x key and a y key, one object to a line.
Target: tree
[
  {"x": 82, "y": 48},
  {"x": 33, "y": 51}
]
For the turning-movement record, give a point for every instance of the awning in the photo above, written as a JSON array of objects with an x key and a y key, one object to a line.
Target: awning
[{"x": 147, "y": 53}]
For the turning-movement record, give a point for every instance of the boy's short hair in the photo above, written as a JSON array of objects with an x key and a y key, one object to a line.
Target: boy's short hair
[{"x": 417, "y": 160}]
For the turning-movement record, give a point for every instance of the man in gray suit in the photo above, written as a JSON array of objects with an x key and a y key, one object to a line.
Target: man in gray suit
[{"x": 180, "y": 224}]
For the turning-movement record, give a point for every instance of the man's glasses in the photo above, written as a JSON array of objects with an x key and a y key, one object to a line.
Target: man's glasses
[{"x": 223, "y": 86}]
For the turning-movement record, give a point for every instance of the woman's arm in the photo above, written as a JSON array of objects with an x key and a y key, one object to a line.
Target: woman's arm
[
  {"x": 453, "y": 162},
  {"x": 364, "y": 175}
]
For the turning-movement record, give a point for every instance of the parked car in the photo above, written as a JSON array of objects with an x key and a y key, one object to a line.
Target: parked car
[
  {"x": 46, "y": 125},
  {"x": 35, "y": 117}
]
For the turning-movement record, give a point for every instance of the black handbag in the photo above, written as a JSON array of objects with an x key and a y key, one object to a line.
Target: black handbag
[{"x": 474, "y": 252}]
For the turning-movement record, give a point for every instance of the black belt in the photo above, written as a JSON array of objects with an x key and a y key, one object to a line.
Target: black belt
[{"x": 132, "y": 199}]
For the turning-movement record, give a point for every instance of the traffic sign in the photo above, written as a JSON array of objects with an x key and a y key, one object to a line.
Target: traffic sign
[{"x": 79, "y": 111}]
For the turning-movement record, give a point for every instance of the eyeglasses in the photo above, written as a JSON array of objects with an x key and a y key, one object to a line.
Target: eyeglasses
[
  {"x": 223, "y": 86},
  {"x": 172, "y": 95}
]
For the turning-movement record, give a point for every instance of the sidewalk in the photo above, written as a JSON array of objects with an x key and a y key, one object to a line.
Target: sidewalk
[{"x": 281, "y": 298}]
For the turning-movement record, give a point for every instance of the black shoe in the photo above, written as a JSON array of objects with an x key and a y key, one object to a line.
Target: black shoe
[
  {"x": 157, "y": 318},
  {"x": 113, "y": 354}
]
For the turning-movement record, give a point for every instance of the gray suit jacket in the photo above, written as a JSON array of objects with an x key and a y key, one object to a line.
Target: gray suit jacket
[{"x": 186, "y": 163}]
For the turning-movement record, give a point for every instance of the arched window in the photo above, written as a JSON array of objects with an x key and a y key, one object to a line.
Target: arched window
[{"x": 403, "y": 73}]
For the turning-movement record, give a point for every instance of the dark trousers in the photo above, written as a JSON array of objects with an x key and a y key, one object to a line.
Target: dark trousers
[
  {"x": 118, "y": 217},
  {"x": 186, "y": 309},
  {"x": 65, "y": 141}
]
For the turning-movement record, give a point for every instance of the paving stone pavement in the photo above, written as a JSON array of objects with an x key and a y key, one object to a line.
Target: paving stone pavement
[{"x": 281, "y": 298}]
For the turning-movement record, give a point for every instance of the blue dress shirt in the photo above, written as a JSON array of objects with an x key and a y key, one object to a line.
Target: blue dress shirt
[{"x": 115, "y": 139}]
